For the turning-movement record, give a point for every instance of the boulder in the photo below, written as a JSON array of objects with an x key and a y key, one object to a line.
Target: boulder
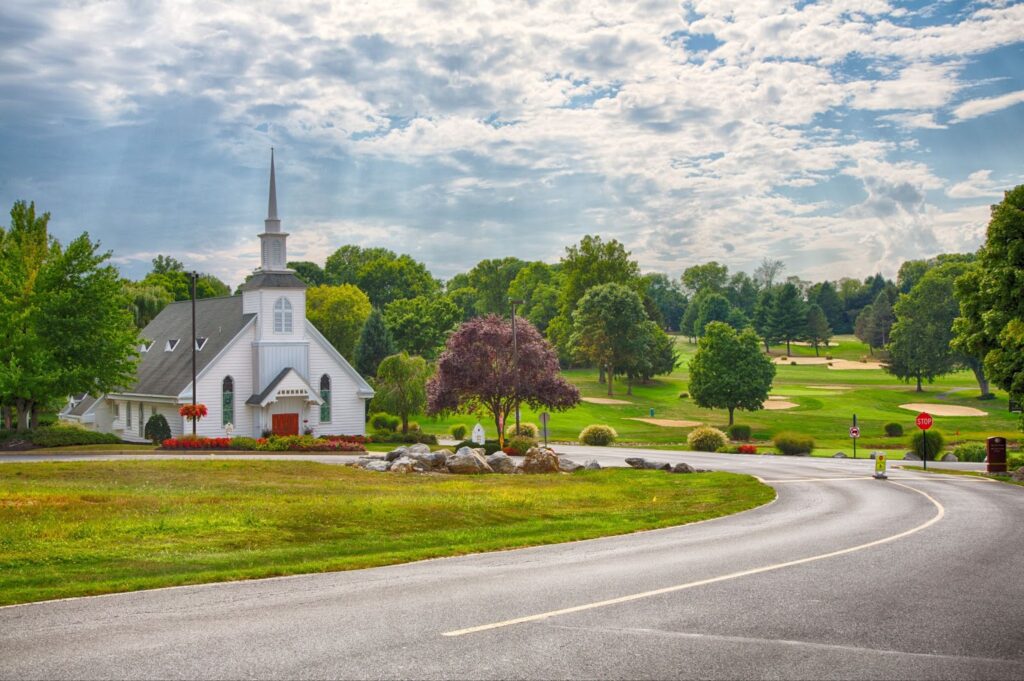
[
  {"x": 592, "y": 465},
  {"x": 1018, "y": 475},
  {"x": 949, "y": 457},
  {"x": 418, "y": 448},
  {"x": 373, "y": 456},
  {"x": 540, "y": 460},
  {"x": 839, "y": 455},
  {"x": 395, "y": 454},
  {"x": 683, "y": 468},
  {"x": 644, "y": 464},
  {"x": 406, "y": 465},
  {"x": 433, "y": 460},
  {"x": 911, "y": 456},
  {"x": 500, "y": 462},
  {"x": 568, "y": 466},
  {"x": 378, "y": 466},
  {"x": 635, "y": 462},
  {"x": 467, "y": 461}
]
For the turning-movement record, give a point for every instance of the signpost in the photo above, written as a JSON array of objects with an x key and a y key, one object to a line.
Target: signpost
[
  {"x": 854, "y": 434},
  {"x": 544, "y": 419},
  {"x": 995, "y": 454},
  {"x": 880, "y": 467},
  {"x": 924, "y": 422}
]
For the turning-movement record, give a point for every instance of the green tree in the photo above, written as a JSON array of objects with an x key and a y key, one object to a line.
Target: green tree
[
  {"x": 656, "y": 355},
  {"x": 668, "y": 297},
  {"x": 882, "y": 318},
  {"x": 465, "y": 299},
  {"x": 768, "y": 272},
  {"x": 339, "y": 313},
  {"x": 919, "y": 346},
  {"x": 309, "y": 272},
  {"x": 818, "y": 331},
  {"x": 710, "y": 276},
  {"x": 380, "y": 273},
  {"x": 825, "y": 296},
  {"x": 145, "y": 302},
  {"x": 607, "y": 328},
  {"x": 342, "y": 266},
  {"x": 763, "y": 319},
  {"x": 420, "y": 325},
  {"x": 729, "y": 370},
  {"x": 711, "y": 307},
  {"x": 789, "y": 315},
  {"x": 911, "y": 272},
  {"x": 969, "y": 337},
  {"x": 491, "y": 279},
  {"x": 375, "y": 343},
  {"x": 863, "y": 327},
  {"x": 992, "y": 307},
  {"x": 401, "y": 386},
  {"x": 165, "y": 264}
]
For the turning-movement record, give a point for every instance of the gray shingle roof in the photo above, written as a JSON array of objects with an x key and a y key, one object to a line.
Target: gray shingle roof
[
  {"x": 85, "y": 401},
  {"x": 168, "y": 373},
  {"x": 272, "y": 280}
]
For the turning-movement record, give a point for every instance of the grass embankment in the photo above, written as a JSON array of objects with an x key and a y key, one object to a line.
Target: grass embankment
[
  {"x": 974, "y": 474},
  {"x": 826, "y": 401},
  {"x": 73, "y": 529}
]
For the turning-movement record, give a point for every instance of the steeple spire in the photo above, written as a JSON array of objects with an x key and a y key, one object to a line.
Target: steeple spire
[{"x": 272, "y": 224}]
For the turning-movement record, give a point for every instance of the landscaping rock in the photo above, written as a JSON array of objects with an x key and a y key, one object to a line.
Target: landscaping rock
[
  {"x": 501, "y": 462},
  {"x": 395, "y": 454},
  {"x": 644, "y": 464},
  {"x": 418, "y": 448},
  {"x": 433, "y": 460},
  {"x": 910, "y": 456},
  {"x": 683, "y": 468},
  {"x": 592, "y": 465},
  {"x": 406, "y": 465},
  {"x": 540, "y": 460},
  {"x": 373, "y": 456},
  {"x": 839, "y": 455},
  {"x": 949, "y": 457},
  {"x": 467, "y": 461},
  {"x": 568, "y": 466},
  {"x": 377, "y": 466}
]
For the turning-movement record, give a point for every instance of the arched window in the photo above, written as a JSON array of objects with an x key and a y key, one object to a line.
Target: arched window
[
  {"x": 228, "y": 401},
  {"x": 325, "y": 395},
  {"x": 282, "y": 316}
]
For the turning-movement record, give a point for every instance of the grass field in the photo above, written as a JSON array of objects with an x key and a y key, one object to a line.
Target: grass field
[
  {"x": 71, "y": 529},
  {"x": 827, "y": 399}
]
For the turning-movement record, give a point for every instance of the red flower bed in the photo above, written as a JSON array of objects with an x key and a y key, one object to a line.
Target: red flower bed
[
  {"x": 357, "y": 439},
  {"x": 197, "y": 443},
  {"x": 286, "y": 443},
  {"x": 748, "y": 449}
]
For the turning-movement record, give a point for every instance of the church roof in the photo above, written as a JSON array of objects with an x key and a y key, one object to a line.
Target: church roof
[
  {"x": 272, "y": 280},
  {"x": 163, "y": 372},
  {"x": 84, "y": 402}
]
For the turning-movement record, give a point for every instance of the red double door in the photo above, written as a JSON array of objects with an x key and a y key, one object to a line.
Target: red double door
[{"x": 285, "y": 424}]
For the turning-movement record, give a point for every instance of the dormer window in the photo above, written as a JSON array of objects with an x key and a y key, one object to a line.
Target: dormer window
[
  {"x": 145, "y": 346},
  {"x": 171, "y": 344},
  {"x": 200, "y": 342},
  {"x": 282, "y": 316}
]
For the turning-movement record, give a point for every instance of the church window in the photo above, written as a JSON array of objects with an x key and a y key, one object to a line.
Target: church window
[
  {"x": 228, "y": 401},
  {"x": 282, "y": 316},
  {"x": 325, "y": 395},
  {"x": 171, "y": 344},
  {"x": 275, "y": 253}
]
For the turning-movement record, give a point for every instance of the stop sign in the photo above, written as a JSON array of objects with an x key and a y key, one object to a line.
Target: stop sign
[{"x": 924, "y": 420}]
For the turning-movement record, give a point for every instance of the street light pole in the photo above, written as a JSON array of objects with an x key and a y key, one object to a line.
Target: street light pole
[
  {"x": 515, "y": 359},
  {"x": 194, "y": 276}
]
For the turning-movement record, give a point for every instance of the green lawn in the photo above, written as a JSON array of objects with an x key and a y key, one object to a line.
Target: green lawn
[
  {"x": 71, "y": 529},
  {"x": 827, "y": 399}
]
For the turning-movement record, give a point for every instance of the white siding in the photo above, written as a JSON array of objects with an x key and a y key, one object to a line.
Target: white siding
[
  {"x": 275, "y": 357},
  {"x": 348, "y": 412},
  {"x": 236, "y": 362},
  {"x": 261, "y": 301}
]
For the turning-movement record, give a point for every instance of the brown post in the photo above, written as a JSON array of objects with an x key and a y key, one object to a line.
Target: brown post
[{"x": 996, "y": 454}]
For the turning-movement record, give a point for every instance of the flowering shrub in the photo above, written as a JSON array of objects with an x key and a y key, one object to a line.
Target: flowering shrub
[
  {"x": 189, "y": 442},
  {"x": 748, "y": 449},
  {"x": 193, "y": 411},
  {"x": 287, "y": 443}
]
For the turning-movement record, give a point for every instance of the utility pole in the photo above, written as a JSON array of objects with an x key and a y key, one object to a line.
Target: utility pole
[
  {"x": 515, "y": 359},
  {"x": 194, "y": 276}
]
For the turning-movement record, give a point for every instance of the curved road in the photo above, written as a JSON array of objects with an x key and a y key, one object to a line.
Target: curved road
[{"x": 841, "y": 577}]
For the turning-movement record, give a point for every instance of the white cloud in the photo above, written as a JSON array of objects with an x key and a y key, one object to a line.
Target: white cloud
[
  {"x": 987, "y": 105},
  {"x": 978, "y": 185}
]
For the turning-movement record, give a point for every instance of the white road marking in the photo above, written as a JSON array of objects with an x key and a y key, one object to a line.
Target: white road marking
[{"x": 940, "y": 512}]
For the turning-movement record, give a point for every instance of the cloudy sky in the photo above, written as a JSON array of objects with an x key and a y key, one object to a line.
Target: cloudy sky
[{"x": 840, "y": 136}]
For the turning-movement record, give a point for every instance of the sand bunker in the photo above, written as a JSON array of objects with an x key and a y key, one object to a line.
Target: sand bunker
[
  {"x": 837, "y": 364},
  {"x": 847, "y": 365},
  {"x": 668, "y": 423},
  {"x": 778, "y": 403},
  {"x": 603, "y": 400},
  {"x": 943, "y": 409},
  {"x": 802, "y": 360}
]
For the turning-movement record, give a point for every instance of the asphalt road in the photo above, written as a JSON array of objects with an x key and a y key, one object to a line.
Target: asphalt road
[{"x": 841, "y": 577}]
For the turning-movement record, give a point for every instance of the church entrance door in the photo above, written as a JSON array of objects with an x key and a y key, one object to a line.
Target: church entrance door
[{"x": 285, "y": 424}]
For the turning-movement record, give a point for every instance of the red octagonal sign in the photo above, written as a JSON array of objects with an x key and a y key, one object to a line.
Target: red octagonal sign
[{"x": 924, "y": 420}]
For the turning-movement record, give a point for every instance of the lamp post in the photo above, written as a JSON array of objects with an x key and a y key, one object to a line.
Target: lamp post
[
  {"x": 515, "y": 359},
  {"x": 194, "y": 276}
]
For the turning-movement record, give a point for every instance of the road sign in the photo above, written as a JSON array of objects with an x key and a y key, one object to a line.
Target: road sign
[
  {"x": 855, "y": 432},
  {"x": 544, "y": 418},
  {"x": 924, "y": 420},
  {"x": 880, "y": 467}
]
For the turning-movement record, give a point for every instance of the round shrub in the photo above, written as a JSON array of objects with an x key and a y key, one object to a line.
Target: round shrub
[
  {"x": 518, "y": 445},
  {"x": 934, "y": 440},
  {"x": 683, "y": 395},
  {"x": 705, "y": 439},
  {"x": 489, "y": 446},
  {"x": 970, "y": 451},
  {"x": 385, "y": 422},
  {"x": 728, "y": 449},
  {"x": 893, "y": 430},
  {"x": 458, "y": 431},
  {"x": 525, "y": 428},
  {"x": 739, "y": 432},
  {"x": 794, "y": 444},
  {"x": 157, "y": 429},
  {"x": 598, "y": 435},
  {"x": 243, "y": 443}
]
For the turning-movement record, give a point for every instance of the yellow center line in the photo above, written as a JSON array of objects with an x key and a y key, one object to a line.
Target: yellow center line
[{"x": 940, "y": 512}]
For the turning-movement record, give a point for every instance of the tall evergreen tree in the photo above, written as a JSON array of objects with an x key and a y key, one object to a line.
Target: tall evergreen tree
[
  {"x": 818, "y": 331},
  {"x": 882, "y": 318},
  {"x": 789, "y": 316},
  {"x": 375, "y": 343}
]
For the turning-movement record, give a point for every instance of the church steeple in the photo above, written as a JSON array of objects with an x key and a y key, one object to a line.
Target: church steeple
[{"x": 273, "y": 242}]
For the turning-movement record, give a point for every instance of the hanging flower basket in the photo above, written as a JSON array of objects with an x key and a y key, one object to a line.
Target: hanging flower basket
[{"x": 193, "y": 412}]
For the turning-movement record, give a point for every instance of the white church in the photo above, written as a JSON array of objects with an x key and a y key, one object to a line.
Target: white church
[{"x": 261, "y": 366}]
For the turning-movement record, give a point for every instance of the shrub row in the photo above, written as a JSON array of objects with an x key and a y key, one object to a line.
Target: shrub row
[
  {"x": 285, "y": 443},
  {"x": 970, "y": 451},
  {"x": 794, "y": 444},
  {"x": 66, "y": 436}
]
